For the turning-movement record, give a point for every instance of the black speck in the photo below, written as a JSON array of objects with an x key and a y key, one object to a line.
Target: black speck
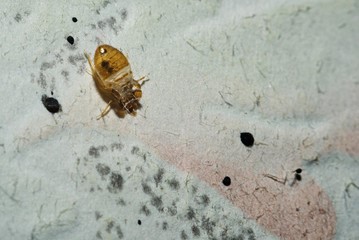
[
  {"x": 51, "y": 104},
  {"x": 146, "y": 189},
  {"x": 119, "y": 232},
  {"x": 297, "y": 209},
  {"x": 139, "y": 222},
  {"x": 18, "y": 17},
  {"x": 157, "y": 203},
  {"x": 116, "y": 183},
  {"x": 74, "y": 19},
  {"x": 298, "y": 177},
  {"x": 110, "y": 226},
  {"x": 123, "y": 14},
  {"x": 184, "y": 235},
  {"x": 159, "y": 176},
  {"x": 299, "y": 170},
  {"x": 71, "y": 40},
  {"x": 174, "y": 184},
  {"x": 195, "y": 231},
  {"x": 164, "y": 225},
  {"x": 103, "y": 169},
  {"x": 98, "y": 215},
  {"x": 190, "y": 214},
  {"x": 226, "y": 181},
  {"x": 247, "y": 139},
  {"x": 145, "y": 210}
]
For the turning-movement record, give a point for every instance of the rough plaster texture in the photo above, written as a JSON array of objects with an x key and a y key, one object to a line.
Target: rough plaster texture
[{"x": 286, "y": 72}]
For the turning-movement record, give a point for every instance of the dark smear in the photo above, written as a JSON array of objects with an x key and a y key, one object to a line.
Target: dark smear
[
  {"x": 135, "y": 150},
  {"x": 42, "y": 80},
  {"x": 247, "y": 139},
  {"x": 184, "y": 235},
  {"x": 159, "y": 176},
  {"x": 164, "y": 225},
  {"x": 145, "y": 210},
  {"x": 110, "y": 226},
  {"x": 74, "y": 19},
  {"x": 18, "y": 17},
  {"x": 51, "y": 104},
  {"x": 123, "y": 14},
  {"x": 98, "y": 235},
  {"x": 47, "y": 65},
  {"x": 157, "y": 203},
  {"x": 174, "y": 184},
  {"x": 139, "y": 222},
  {"x": 71, "y": 40},
  {"x": 146, "y": 189},
  {"x": 195, "y": 231},
  {"x": 226, "y": 181},
  {"x": 98, "y": 215},
  {"x": 116, "y": 183},
  {"x": 207, "y": 225},
  {"x": 116, "y": 146},
  {"x": 65, "y": 74},
  {"x": 204, "y": 199},
  {"x": 190, "y": 214},
  {"x": 76, "y": 58},
  {"x": 103, "y": 169},
  {"x": 119, "y": 232},
  {"x": 95, "y": 151}
]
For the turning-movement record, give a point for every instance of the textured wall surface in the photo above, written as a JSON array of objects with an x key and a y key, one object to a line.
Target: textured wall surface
[{"x": 284, "y": 71}]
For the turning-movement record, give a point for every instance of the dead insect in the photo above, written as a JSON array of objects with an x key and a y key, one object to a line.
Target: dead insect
[{"x": 114, "y": 80}]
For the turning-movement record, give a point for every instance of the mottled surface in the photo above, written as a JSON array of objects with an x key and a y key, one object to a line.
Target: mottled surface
[{"x": 284, "y": 72}]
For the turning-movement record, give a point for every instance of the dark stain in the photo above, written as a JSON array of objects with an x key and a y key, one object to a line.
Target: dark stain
[
  {"x": 101, "y": 24},
  {"x": 190, "y": 213},
  {"x": 207, "y": 225},
  {"x": 98, "y": 215},
  {"x": 145, "y": 210},
  {"x": 203, "y": 200},
  {"x": 159, "y": 176},
  {"x": 51, "y": 104},
  {"x": 173, "y": 209},
  {"x": 109, "y": 227},
  {"x": 103, "y": 169},
  {"x": 121, "y": 202},
  {"x": 18, "y": 17},
  {"x": 74, "y": 59},
  {"x": 42, "y": 80},
  {"x": 156, "y": 201},
  {"x": 116, "y": 146},
  {"x": 47, "y": 65},
  {"x": 119, "y": 232},
  {"x": 195, "y": 231},
  {"x": 250, "y": 233},
  {"x": 106, "y": 65},
  {"x": 164, "y": 226},
  {"x": 116, "y": 183},
  {"x": 95, "y": 151},
  {"x": 174, "y": 184},
  {"x": 123, "y": 14},
  {"x": 146, "y": 189},
  {"x": 112, "y": 22},
  {"x": 135, "y": 150},
  {"x": 105, "y": 3},
  {"x": 184, "y": 235},
  {"x": 98, "y": 235},
  {"x": 65, "y": 74}
]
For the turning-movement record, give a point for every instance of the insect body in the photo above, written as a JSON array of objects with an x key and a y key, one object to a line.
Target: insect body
[{"x": 114, "y": 80}]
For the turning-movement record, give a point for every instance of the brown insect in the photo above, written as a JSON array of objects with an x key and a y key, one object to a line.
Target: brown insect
[{"x": 114, "y": 80}]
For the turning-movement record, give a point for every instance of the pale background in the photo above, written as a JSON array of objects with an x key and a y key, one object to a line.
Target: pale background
[{"x": 286, "y": 71}]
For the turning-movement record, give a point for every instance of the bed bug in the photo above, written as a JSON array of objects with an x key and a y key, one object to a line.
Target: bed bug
[{"x": 113, "y": 77}]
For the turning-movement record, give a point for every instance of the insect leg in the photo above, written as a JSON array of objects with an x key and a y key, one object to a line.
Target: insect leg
[{"x": 105, "y": 111}]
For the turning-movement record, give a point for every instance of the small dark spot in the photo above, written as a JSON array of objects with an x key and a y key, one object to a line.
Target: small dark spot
[
  {"x": 226, "y": 181},
  {"x": 110, "y": 226},
  {"x": 164, "y": 225},
  {"x": 98, "y": 235},
  {"x": 71, "y": 40},
  {"x": 195, "y": 231},
  {"x": 119, "y": 232},
  {"x": 94, "y": 152},
  {"x": 106, "y": 65},
  {"x": 123, "y": 14},
  {"x": 174, "y": 184},
  {"x": 98, "y": 215},
  {"x": 190, "y": 214},
  {"x": 116, "y": 183},
  {"x": 18, "y": 17},
  {"x": 157, "y": 203},
  {"x": 298, "y": 177},
  {"x": 299, "y": 170},
  {"x": 52, "y": 93},
  {"x": 146, "y": 189},
  {"x": 92, "y": 189},
  {"x": 51, "y": 104},
  {"x": 103, "y": 169},
  {"x": 297, "y": 209},
  {"x": 135, "y": 150},
  {"x": 184, "y": 235},
  {"x": 145, "y": 210},
  {"x": 159, "y": 176},
  {"x": 139, "y": 222},
  {"x": 247, "y": 139},
  {"x": 74, "y": 19}
]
